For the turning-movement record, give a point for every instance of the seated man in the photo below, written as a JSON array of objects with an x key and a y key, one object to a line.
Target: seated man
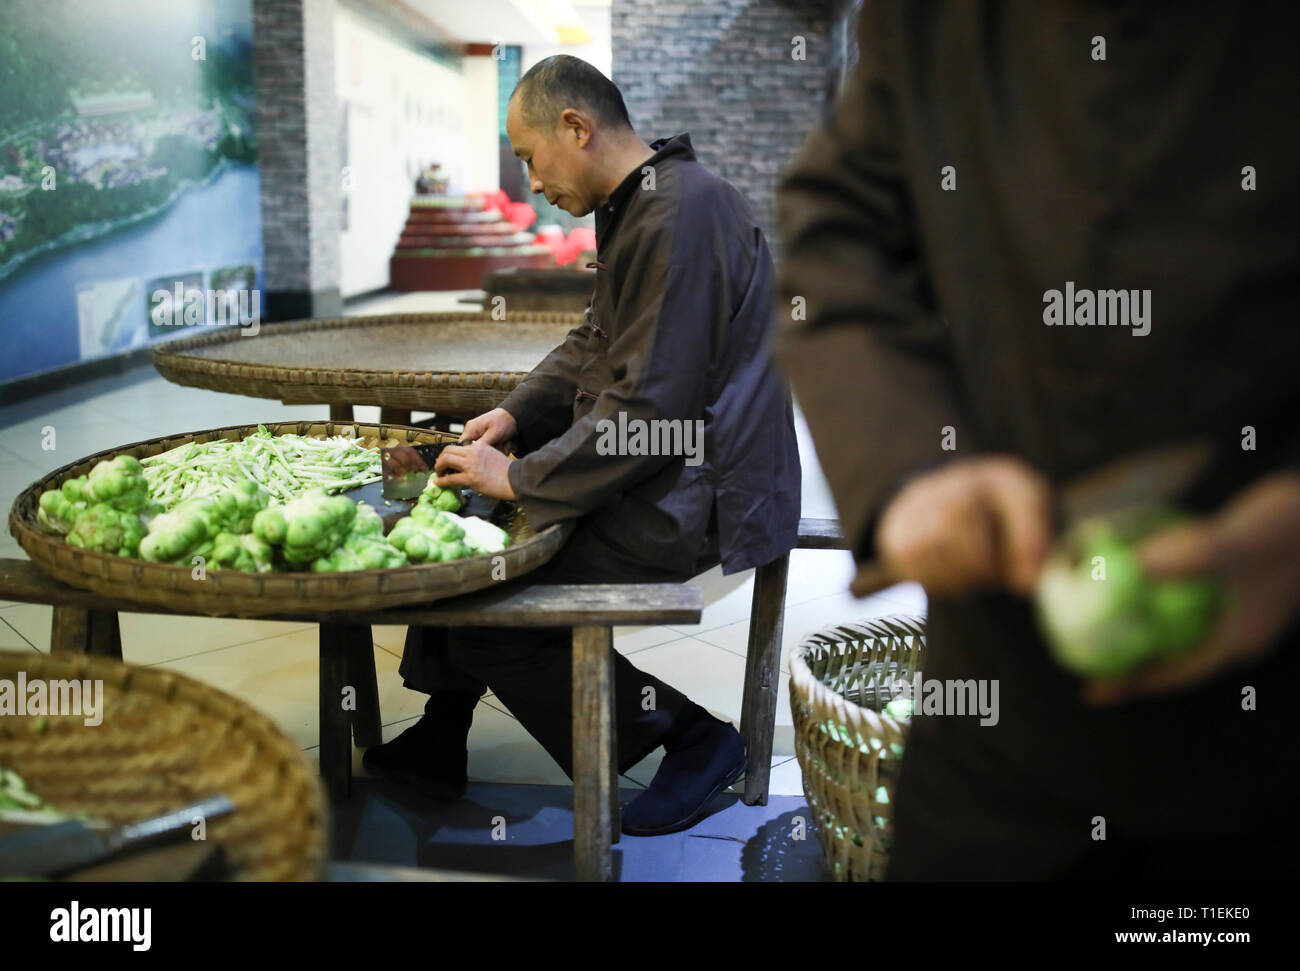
[{"x": 659, "y": 427}]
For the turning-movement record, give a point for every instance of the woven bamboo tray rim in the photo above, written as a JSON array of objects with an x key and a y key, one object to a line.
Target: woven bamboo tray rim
[
  {"x": 166, "y": 741},
  {"x": 178, "y": 348},
  {"x": 845, "y": 748},
  {"x": 233, "y": 593},
  {"x": 453, "y": 389}
]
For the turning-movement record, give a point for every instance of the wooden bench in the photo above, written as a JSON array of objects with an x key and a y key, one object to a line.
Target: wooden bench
[
  {"x": 87, "y": 622},
  {"x": 763, "y": 657}
]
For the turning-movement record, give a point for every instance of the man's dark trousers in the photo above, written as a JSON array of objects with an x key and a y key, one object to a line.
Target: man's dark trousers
[{"x": 531, "y": 668}]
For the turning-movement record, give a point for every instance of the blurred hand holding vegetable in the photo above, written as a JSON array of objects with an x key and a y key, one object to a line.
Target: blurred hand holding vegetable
[
  {"x": 1103, "y": 615},
  {"x": 985, "y": 524},
  {"x": 1253, "y": 545},
  {"x": 974, "y": 524}
]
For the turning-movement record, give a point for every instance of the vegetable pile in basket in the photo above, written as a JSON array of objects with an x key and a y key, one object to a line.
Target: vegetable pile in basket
[
  {"x": 261, "y": 507},
  {"x": 286, "y": 466}
]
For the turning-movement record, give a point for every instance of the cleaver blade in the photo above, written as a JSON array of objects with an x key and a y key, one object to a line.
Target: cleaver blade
[{"x": 407, "y": 468}]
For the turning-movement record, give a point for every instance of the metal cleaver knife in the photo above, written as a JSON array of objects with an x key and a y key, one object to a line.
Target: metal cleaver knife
[
  {"x": 1117, "y": 490},
  {"x": 407, "y": 468},
  {"x": 48, "y": 851}
]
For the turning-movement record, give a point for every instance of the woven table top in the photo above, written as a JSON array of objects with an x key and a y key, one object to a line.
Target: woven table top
[
  {"x": 461, "y": 363},
  {"x": 450, "y": 346}
]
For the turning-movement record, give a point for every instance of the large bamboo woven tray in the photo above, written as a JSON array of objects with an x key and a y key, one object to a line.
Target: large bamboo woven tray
[
  {"x": 840, "y": 680},
  {"x": 234, "y": 593},
  {"x": 553, "y": 289},
  {"x": 457, "y": 363},
  {"x": 167, "y": 741}
]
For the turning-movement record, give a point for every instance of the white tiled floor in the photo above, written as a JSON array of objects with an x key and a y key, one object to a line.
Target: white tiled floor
[
  {"x": 11, "y": 640},
  {"x": 274, "y": 665}
]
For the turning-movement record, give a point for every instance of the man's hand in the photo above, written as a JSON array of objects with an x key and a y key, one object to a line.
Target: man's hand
[
  {"x": 477, "y": 467},
  {"x": 975, "y": 524},
  {"x": 1253, "y": 545},
  {"x": 496, "y": 427}
]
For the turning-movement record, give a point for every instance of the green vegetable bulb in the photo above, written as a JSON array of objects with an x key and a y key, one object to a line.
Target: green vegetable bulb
[
  {"x": 437, "y": 497},
  {"x": 236, "y": 507},
  {"x": 56, "y": 513},
  {"x": 181, "y": 533},
  {"x": 307, "y": 528},
  {"x": 241, "y": 551},
  {"x": 270, "y": 525},
  {"x": 367, "y": 522},
  {"x": 107, "y": 530},
  {"x": 425, "y": 542},
  {"x": 1103, "y": 617},
  {"x": 118, "y": 482}
]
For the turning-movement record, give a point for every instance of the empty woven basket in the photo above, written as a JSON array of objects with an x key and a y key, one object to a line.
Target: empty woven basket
[{"x": 850, "y": 752}]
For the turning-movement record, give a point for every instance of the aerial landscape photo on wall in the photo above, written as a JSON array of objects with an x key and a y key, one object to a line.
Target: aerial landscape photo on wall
[{"x": 128, "y": 165}]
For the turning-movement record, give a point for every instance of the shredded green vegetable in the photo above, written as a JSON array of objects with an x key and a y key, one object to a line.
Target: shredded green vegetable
[
  {"x": 286, "y": 466},
  {"x": 19, "y": 804}
]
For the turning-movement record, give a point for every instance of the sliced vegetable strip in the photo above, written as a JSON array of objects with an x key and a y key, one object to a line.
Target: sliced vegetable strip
[{"x": 286, "y": 466}]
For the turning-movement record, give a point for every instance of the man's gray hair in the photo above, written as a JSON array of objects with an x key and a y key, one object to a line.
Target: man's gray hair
[{"x": 563, "y": 81}]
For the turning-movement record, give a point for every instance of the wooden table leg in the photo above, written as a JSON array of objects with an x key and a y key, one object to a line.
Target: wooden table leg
[
  {"x": 75, "y": 630},
  {"x": 762, "y": 670},
  {"x": 615, "y": 810},
  {"x": 341, "y": 413},
  {"x": 105, "y": 634},
  {"x": 335, "y": 725},
  {"x": 394, "y": 416},
  {"x": 595, "y": 808},
  {"x": 70, "y": 631},
  {"x": 367, "y": 728}
]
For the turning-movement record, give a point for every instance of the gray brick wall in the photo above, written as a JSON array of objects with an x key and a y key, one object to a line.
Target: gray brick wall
[
  {"x": 723, "y": 70},
  {"x": 298, "y": 136},
  {"x": 324, "y": 119}
]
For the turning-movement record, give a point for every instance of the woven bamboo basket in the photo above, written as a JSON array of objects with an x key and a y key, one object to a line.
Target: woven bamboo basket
[
  {"x": 167, "y": 741},
  {"x": 850, "y": 752},
  {"x": 234, "y": 593},
  {"x": 458, "y": 363},
  {"x": 541, "y": 290}
]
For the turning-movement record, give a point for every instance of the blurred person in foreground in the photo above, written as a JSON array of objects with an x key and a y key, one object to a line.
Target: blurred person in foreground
[
  {"x": 677, "y": 332},
  {"x": 926, "y": 290}
]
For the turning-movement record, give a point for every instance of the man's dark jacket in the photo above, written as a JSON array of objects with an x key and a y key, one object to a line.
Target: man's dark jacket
[
  {"x": 678, "y": 329},
  {"x": 925, "y": 311}
]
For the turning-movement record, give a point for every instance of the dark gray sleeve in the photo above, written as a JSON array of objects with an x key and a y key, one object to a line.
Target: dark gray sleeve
[
  {"x": 542, "y": 404},
  {"x": 665, "y": 327},
  {"x": 870, "y": 365}
]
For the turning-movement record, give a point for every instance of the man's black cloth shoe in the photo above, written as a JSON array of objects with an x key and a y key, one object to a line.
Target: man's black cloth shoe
[
  {"x": 704, "y": 756},
  {"x": 431, "y": 756}
]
